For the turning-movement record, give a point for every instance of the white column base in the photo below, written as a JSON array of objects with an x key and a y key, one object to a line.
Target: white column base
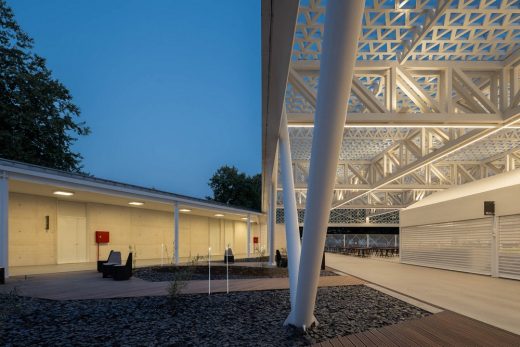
[{"x": 313, "y": 322}]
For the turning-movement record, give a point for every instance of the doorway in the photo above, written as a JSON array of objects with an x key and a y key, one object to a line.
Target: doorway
[
  {"x": 72, "y": 233},
  {"x": 72, "y": 240}
]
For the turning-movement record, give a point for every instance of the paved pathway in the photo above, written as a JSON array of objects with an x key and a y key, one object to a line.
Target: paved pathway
[
  {"x": 90, "y": 285},
  {"x": 494, "y": 301},
  {"x": 55, "y": 268}
]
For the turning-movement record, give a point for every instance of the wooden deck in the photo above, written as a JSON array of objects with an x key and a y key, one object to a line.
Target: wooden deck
[{"x": 442, "y": 329}]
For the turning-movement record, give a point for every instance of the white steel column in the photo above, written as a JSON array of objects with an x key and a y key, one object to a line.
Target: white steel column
[
  {"x": 248, "y": 235},
  {"x": 271, "y": 230},
  {"x": 272, "y": 222},
  {"x": 341, "y": 32},
  {"x": 292, "y": 231},
  {"x": 4, "y": 232},
  {"x": 176, "y": 232}
]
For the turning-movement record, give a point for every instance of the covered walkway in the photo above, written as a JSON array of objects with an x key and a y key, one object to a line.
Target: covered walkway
[{"x": 491, "y": 300}]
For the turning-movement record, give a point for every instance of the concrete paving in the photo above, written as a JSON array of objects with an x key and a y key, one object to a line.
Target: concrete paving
[
  {"x": 494, "y": 301},
  {"x": 56, "y": 268},
  {"x": 90, "y": 285}
]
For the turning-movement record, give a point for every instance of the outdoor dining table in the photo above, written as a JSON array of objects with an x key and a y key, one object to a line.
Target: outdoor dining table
[
  {"x": 386, "y": 251},
  {"x": 362, "y": 251}
]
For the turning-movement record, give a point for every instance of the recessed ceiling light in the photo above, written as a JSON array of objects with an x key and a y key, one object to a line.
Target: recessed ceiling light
[
  {"x": 244, "y": 218},
  {"x": 63, "y": 193},
  {"x": 184, "y": 210},
  {"x": 219, "y": 215},
  {"x": 136, "y": 203}
]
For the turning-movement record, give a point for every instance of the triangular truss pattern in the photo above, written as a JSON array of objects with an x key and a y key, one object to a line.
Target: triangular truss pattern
[
  {"x": 361, "y": 173},
  {"x": 465, "y": 30},
  {"x": 439, "y": 90},
  {"x": 434, "y": 101}
]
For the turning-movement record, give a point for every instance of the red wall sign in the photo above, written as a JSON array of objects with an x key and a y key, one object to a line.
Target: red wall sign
[
  {"x": 102, "y": 237},
  {"x": 255, "y": 239}
]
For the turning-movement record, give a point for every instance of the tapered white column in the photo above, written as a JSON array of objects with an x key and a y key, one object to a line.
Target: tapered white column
[
  {"x": 292, "y": 231},
  {"x": 341, "y": 32},
  {"x": 176, "y": 232},
  {"x": 4, "y": 226},
  {"x": 272, "y": 222},
  {"x": 248, "y": 235},
  {"x": 271, "y": 228}
]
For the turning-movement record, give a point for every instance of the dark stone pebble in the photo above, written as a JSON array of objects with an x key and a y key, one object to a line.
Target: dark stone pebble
[
  {"x": 235, "y": 319},
  {"x": 218, "y": 272}
]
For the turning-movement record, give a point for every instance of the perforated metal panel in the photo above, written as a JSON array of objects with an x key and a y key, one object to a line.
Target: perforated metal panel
[
  {"x": 509, "y": 247},
  {"x": 461, "y": 245},
  {"x": 337, "y": 216},
  {"x": 360, "y": 240}
]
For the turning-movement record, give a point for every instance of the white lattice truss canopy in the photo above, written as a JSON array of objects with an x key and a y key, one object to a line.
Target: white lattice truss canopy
[{"x": 435, "y": 100}]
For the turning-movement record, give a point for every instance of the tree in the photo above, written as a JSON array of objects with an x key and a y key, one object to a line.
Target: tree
[
  {"x": 236, "y": 188},
  {"x": 37, "y": 115}
]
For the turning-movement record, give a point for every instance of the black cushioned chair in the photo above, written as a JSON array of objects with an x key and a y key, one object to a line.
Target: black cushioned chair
[
  {"x": 123, "y": 272},
  {"x": 228, "y": 256},
  {"x": 113, "y": 260}
]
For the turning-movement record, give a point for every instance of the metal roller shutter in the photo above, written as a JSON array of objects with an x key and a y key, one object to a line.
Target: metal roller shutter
[
  {"x": 461, "y": 245},
  {"x": 509, "y": 247}
]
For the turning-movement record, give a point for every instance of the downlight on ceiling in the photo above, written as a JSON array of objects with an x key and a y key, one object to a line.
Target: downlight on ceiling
[
  {"x": 219, "y": 215},
  {"x": 184, "y": 210},
  {"x": 136, "y": 203},
  {"x": 63, "y": 193},
  {"x": 244, "y": 218}
]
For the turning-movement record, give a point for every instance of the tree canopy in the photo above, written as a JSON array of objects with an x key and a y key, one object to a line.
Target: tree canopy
[
  {"x": 37, "y": 115},
  {"x": 236, "y": 188}
]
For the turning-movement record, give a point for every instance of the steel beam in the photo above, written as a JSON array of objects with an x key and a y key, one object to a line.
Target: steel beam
[
  {"x": 463, "y": 141},
  {"x": 405, "y": 120}
]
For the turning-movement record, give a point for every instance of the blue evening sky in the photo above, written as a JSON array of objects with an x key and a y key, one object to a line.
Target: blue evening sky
[{"x": 171, "y": 89}]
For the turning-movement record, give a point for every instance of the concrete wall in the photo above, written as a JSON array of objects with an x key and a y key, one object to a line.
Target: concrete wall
[
  {"x": 279, "y": 239},
  {"x": 463, "y": 208},
  {"x": 29, "y": 242},
  {"x": 198, "y": 233},
  {"x": 145, "y": 231}
]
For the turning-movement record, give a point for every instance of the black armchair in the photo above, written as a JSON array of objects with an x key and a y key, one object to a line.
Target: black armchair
[
  {"x": 123, "y": 272},
  {"x": 113, "y": 259},
  {"x": 228, "y": 256}
]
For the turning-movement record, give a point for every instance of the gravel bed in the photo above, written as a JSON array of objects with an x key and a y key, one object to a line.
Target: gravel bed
[
  {"x": 218, "y": 272},
  {"x": 235, "y": 319},
  {"x": 253, "y": 259}
]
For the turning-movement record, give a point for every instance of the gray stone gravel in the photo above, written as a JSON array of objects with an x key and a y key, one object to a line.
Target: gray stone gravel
[
  {"x": 218, "y": 272},
  {"x": 236, "y": 319}
]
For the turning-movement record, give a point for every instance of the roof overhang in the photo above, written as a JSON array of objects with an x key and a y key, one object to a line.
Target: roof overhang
[
  {"x": 278, "y": 25},
  {"x": 36, "y": 180}
]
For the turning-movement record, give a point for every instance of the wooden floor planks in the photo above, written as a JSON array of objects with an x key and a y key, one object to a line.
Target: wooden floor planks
[{"x": 442, "y": 329}]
